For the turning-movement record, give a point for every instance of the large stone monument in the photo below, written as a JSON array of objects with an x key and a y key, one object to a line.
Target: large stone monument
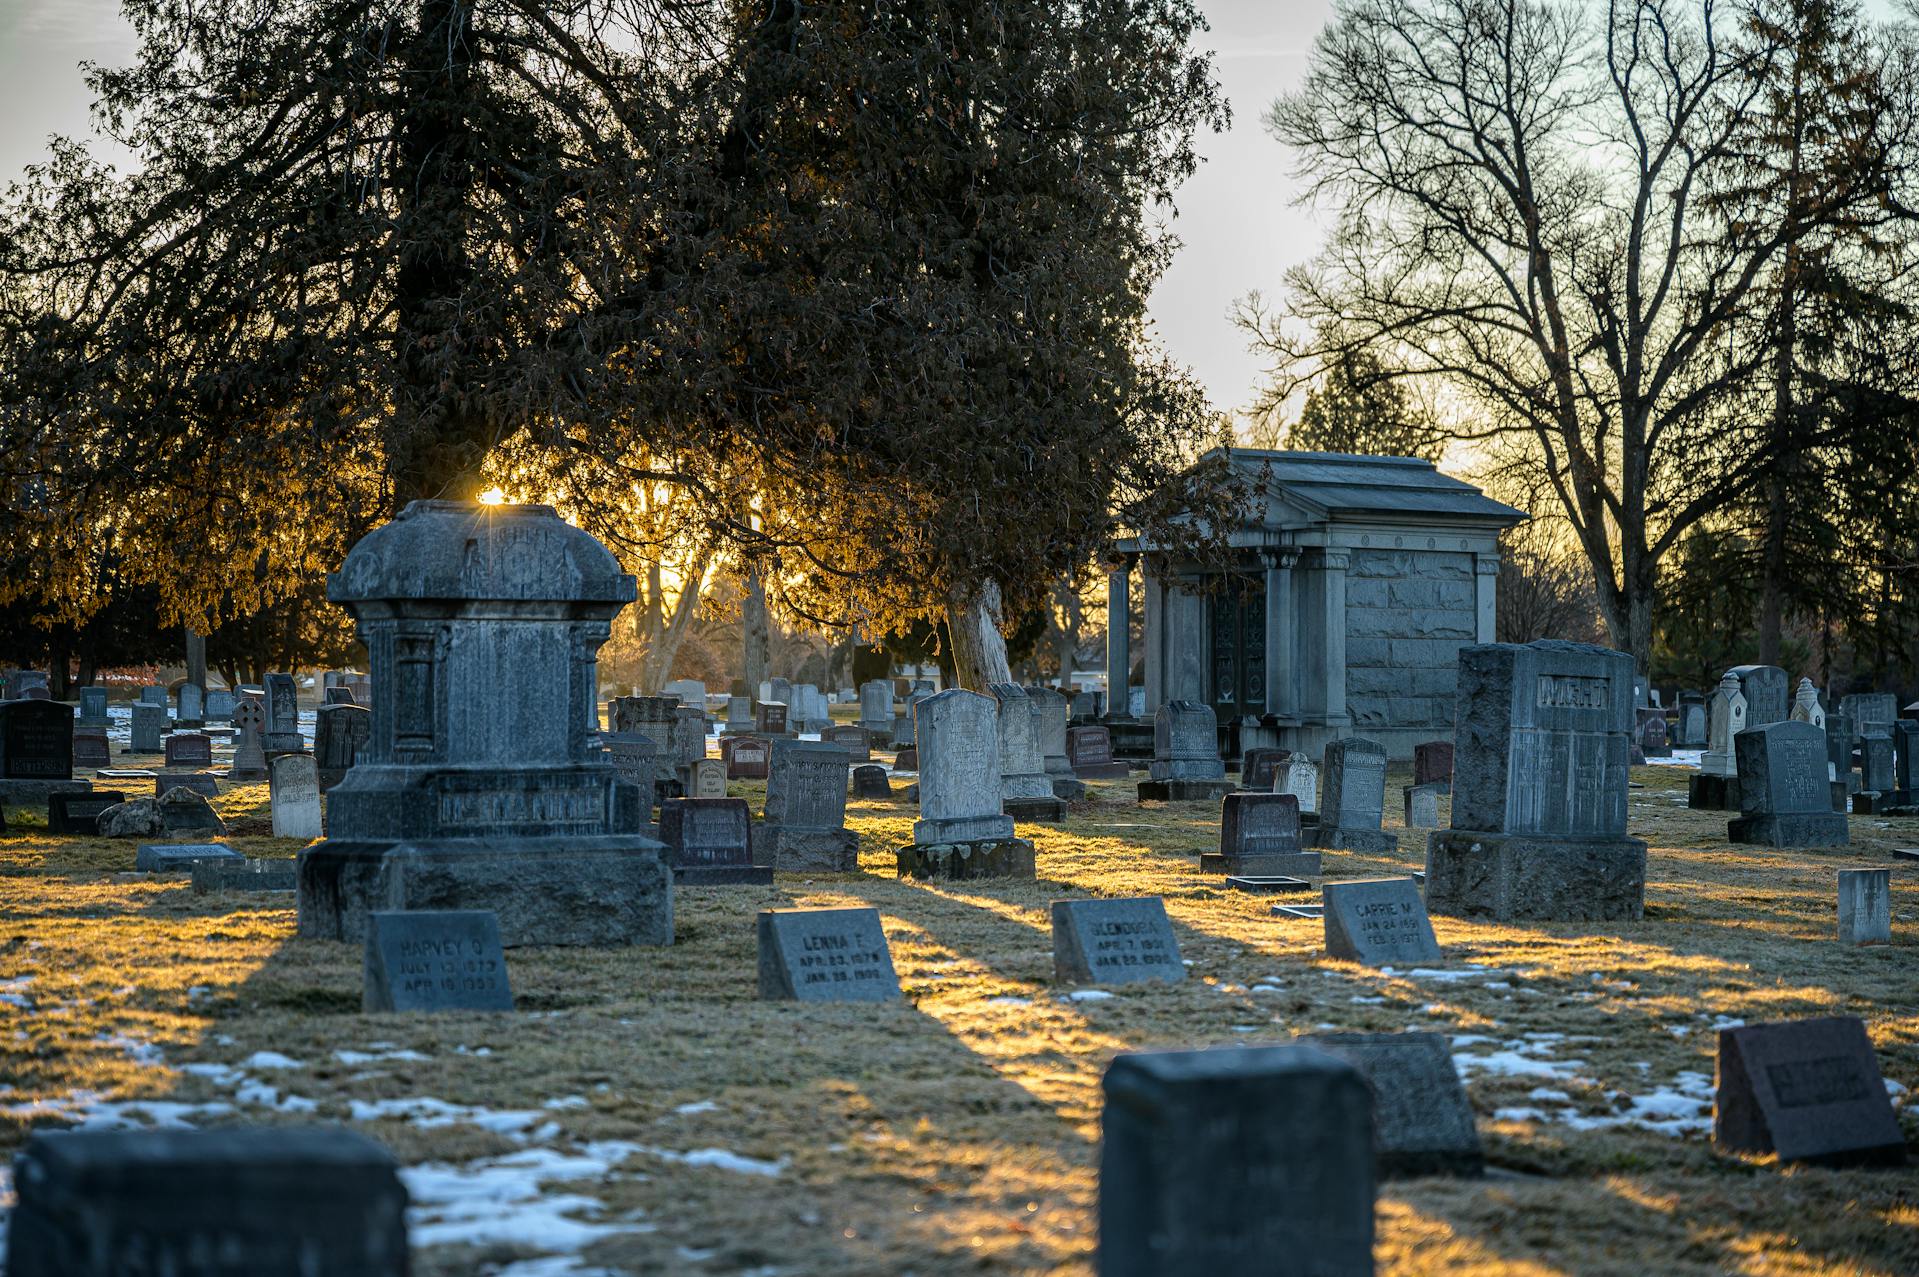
[
  {"x": 1539, "y": 788},
  {"x": 1186, "y": 764},
  {"x": 482, "y": 785},
  {"x": 962, "y": 831}
]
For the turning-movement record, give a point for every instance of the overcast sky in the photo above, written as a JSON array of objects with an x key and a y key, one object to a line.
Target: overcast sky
[{"x": 1236, "y": 216}]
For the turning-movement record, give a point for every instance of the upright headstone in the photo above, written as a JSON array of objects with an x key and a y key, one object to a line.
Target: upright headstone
[
  {"x": 340, "y": 731},
  {"x": 656, "y": 718},
  {"x": 739, "y": 716},
  {"x": 249, "y": 750},
  {"x": 705, "y": 778},
  {"x": 853, "y": 739},
  {"x": 339, "y": 695},
  {"x": 1841, "y": 740},
  {"x": 962, "y": 832},
  {"x": 1539, "y": 788},
  {"x": 1870, "y": 711},
  {"x": 1114, "y": 942},
  {"x": 805, "y": 828},
  {"x": 1049, "y": 725},
  {"x": 1186, "y": 765},
  {"x": 283, "y": 714},
  {"x": 149, "y": 726},
  {"x": 810, "y": 708},
  {"x": 903, "y": 737},
  {"x": 1767, "y": 692},
  {"x": 294, "y": 796},
  {"x": 190, "y": 708},
  {"x": 1422, "y": 1121},
  {"x": 220, "y": 703},
  {"x": 1259, "y": 838},
  {"x": 1090, "y": 751},
  {"x": 484, "y": 785},
  {"x": 154, "y": 694},
  {"x": 1422, "y": 806},
  {"x": 1806, "y": 707},
  {"x": 1652, "y": 739},
  {"x": 876, "y": 707},
  {"x": 1865, "y": 906},
  {"x": 1379, "y": 922},
  {"x": 825, "y": 955},
  {"x": 691, "y": 691},
  {"x": 93, "y": 706},
  {"x": 90, "y": 748},
  {"x": 36, "y": 740},
  {"x": 79, "y": 813},
  {"x": 1026, "y": 793},
  {"x": 189, "y": 749},
  {"x": 1259, "y": 767},
  {"x": 1784, "y": 800},
  {"x": 1355, "y": 802},
  {"x": 746, "y": 757},
  {"x": 1808, "y": 1090},
  {"x": 1301, "y": 780},
  {"x": 709, "y": 842},
  {"x": 1236, "y": 1163},
  {"x": 435, "y": 960},
  {"x": 870, "y": 783},
  {"x": 1905, "y": 762},
  {"x": 1726, "y": 719},
  {"x": 1690, "y": 731},
  {"x": 769, "y": 719},
  {"x": 1875, "y": 762},
  {"x": 1433, "y": 764}
]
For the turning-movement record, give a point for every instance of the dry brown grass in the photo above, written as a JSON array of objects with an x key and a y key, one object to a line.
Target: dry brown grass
[{"x": 956, "y": 1132}]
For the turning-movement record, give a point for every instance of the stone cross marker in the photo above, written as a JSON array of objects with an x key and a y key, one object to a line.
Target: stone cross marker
[
  {"x": 806, "y": 809},
  {"x": 1259, "y": 837},
  {"x": 1235, "y": 1163},
  {"x": 1355, "y": 798},
  {"x": 435, "y": 960},
  {"x": 1865, "y": 906},
  {"x": 1808, "y": 1090},
  {"x": 1784, "y": 800},
  {"x": 1422, "y": 1118},
  {"x": 1114, "y": 942},
  {"x": 825, "y": 955},
  {"x": 294, "y": 796},
  {"x": 36, "y": 740},
  {"x": 249, "y": 752},
  {"x": 1379, "y": 923}
]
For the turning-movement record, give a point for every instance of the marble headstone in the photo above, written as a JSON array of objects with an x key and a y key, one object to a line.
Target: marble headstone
[
  {"x": 1186, "y": 764},
  {"x": 1380, "y": 922},
  {"x": 1259, "y": 837},
  {"x": 1025, "y": 790},
  {"x": 1865, "y": 906},
  {"x": 962, "y": 830},
  {"x": 1114, "y": 942},
  {"x": 825, "y": 955},
  {"x": 435, "y": 960},
  {"x": 1355, "y": 799},
  {"x": 294, "y": 796}
]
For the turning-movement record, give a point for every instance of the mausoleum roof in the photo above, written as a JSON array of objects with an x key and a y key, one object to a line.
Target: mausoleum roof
[{"x": 1341, "y": 484}]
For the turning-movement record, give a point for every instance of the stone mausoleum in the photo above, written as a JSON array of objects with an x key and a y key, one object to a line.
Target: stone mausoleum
[{"x": 1353, "y": 584}]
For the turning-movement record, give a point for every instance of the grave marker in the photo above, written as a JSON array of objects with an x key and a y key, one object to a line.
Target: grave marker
[
  {"x": 1808, "y": 1090},
  {"x": 217, "y": 877},
  {"x": 1260, "y": 766},
  {"x": 706, "y": 778},
  {"x": 1422, "y": 806},
  {"x": 1423, "y": 1122},
  {"x": 805, "y": 825},
  {"x": 1433, "y": 764},
  {"x": 149, "y": 723},
  {"x": 869, "y": 782},
  {"x": 1259, "y": 837},
  {"x": 189, "y": 749},
  {"x": 1049, "y": 725},
  {"x": 179, "y": 857},
  {"x": 1114, "y": 942},
  {"x": 36, "y": 740},
  {"x": 1379, "y": 923},
  {"x": 1355, "y": 801},
  {"x": 1025, "y": 790},
  {"x": 294, "y": 796},
  {"x": 962, "y": 832},
  {"x": 79, "y": 813},
  {"x": 1767, "y": 691},
  {"x": 876, "y": 706},
  {"x": 709, "y": 841},
  {"x": 435, "y": 960},
  {"x": 1090, "y": 751},
  {"x": 825, "y": 955},
  {"x": 1784, "y": 800},
  {"x": 283, "y": 714},
  {"x": 746, "y": 757},
  {"x": 249, "y": 751},
  {"x": 93, "y": 706},
  {"x": 340, "y": 732},
  {"x": 90, "y": 749},
  {"x": 1186, "y": 765},
  {"x": 1865, "y": 906},
  {"x": 852, "y": 739}
]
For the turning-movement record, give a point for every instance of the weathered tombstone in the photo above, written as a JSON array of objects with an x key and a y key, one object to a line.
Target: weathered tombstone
[
  {"x": 691, "y": 692},
  {"x": 478, "y": 791},
  {"x": 205, "y": 784},
  {"x": 809, "y": 710},
  {"x": 1870, "y": 711},
  {"x": 1690, "y": 730},
  {"x": 154, "y": 694},
  {"x": 36, "y": 740},
  {"x": 1716, "y": 787},
  {"x": 1433, "y": 764},
  {"x": 1905, "y": 762},
  {"x": 1783, "y": 797},
  {"x": 183, "y": 808},
  {"x": 769, "y": 719},
  {"x": 1808, "y": 1090},
  {"x": 149, "y": 724},
  {"x": 190, "y": 707},
  {"x": 1259, "y": 767},
  {"x": 79, "y": 813},
  {"x": 189, "y": 749},
  {"x": 1186, "y": 765},
  {"x": 962, "y": 831},
  {"x": 211, "y": 878},
  {"x": 1301, "y": 780},
  {"x": 1539, "y": 788},
  {"x": 781, "y": 690},
  {"x": 93, "y": 706},
  {"x": 656, "y": 718},
  {"x": 635, "y": 759},
  {"x": 435, "y": 960},
  {"x": 266, "y": 1201},
  {"x": 1806, "y": 707},
  {"x": 1090, "y": 751},
  {"x": 689, "y": 737},
  {"x": 903, "y": 737},
  {"x": 1865, "y": 906},
  {"x": 220, "y": 703},
  {"x": 340, "y": 731},
  {"x": 249, "y": 751},
  {"x": 1114, "y": 942},
  {"x": 1422, "y": 806},
  {"x": 869, "y": 782},
  {"x": 1355, "y": 772},
  {"x": 180, "y": 857},
  {"x": 709, "y": 841},
  {"x": 1049, "y": 726},
  {"x": 294, "y": 795},
  {"x": 1841, "y": 740},
  {"x": 805, "y": 827},
  {"x": 1379, "y": 922},
  {"x": 1259, "y": 838},
  {"x": 876, "y": 706},
  {"x": 746, "y": 757},
  {"x": 1767, "y": 691},
  {"x": 825, "y": 955},
  {"x": 851, "y": 738},
  {"x": 1422, "y": 1120},
  {"x": 1653, "y": 742},
  {"x": 1026, "y": 792},
  {"x": 341, "y": 695},
  {"x": 1875, "y": 762},
  {"x": 283, "y": 714},
  {"x": 1236, "y": 1163},
  {"x": 90, "y": 748},
  {"x": 739, "y": 716},
  {"x": 705, "y": 778}
]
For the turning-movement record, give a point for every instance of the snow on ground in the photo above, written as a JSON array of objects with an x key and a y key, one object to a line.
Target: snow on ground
[{"x": 502, "y": 1199}]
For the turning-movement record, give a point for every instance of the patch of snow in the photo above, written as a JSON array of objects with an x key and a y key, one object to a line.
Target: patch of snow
[
  {"x": 1088, "y": 995},
  {"x": 138, "y": 1050},
  {"x": 375, "y": 1053},
  {"x": 1268, "y": 987},
  {"x": 499, "y": 1200},
  {"x": 1449, "y": 974},
  {"x": 1514, "y": 1064},
  {"x": 429, "y": 1113},
  {"x": 1366, "y": 1001},
  {"x": 697, "y": 1106},
  {"x": 721, "y": 1159},
  {"x": 566, "y": 1102},
  {"x": 1009, "y": 1000},
  {"x": 271, "y": 1060}
]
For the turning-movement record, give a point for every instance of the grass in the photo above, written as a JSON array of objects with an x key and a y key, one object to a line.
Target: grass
[{"x": 957, "y": 1131}]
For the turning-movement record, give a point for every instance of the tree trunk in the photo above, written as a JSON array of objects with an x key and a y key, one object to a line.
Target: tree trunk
[
  {"x": 979, "y": 649},
  {"x": 196, "y": 658},
  {"x": 755, "y": 633},
  {"x": 59, "y": 678}
]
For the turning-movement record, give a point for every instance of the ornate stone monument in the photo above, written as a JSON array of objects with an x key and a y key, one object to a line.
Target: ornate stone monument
[{"x": 482, "y": 785}]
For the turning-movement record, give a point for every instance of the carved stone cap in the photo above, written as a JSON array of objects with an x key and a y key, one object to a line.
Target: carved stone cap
[{"x": 466, "y": 550}]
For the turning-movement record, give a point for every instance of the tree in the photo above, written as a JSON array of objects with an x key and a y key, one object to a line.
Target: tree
[
  {"x": 1359, "y": 406},
  {"x": 1534, "y": 214}
]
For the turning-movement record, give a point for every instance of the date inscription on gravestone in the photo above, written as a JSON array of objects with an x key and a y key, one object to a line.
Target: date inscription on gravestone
[
  {"x": 435, "y": 960},
  {"x": 825, "y": 955},
  {"x": 1114, "y": 942}
]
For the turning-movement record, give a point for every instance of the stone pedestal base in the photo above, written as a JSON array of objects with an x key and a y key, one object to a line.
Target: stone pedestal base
[
  {"x": 1046, "y": 809},
  {"x": 1334, "y": 838},
  {"x": 1184, "y": 791},
  {"x": 806, "y": 850},
  {"x": 33, "y": 793},
  {"x": 995, "y": 858},
  {"x": 1511, "y": 877},
  {"x": 598, "y": 890},
  {"x": 723, "y": 875},
  {"x": 1299, "y": 864},
  {"x": 1102, "y": 771},
  {"x": 1712, "y": 793},
  {"x": 1067, "y": 787},
  {"x": 1795, "y": 829}
]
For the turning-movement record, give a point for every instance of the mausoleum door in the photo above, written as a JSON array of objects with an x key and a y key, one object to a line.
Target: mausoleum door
[{"x": 1239, "y": 648}]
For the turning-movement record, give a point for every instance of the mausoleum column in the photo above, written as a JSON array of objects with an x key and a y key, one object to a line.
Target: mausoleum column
[
  {"x": 1486, "y": 585},
  {"x": 1333, "y": 616},
  {"x": 1119, "y": 651},
  {"x": 1282, "y": 620},
  {"x": 1154, "y": 602}
]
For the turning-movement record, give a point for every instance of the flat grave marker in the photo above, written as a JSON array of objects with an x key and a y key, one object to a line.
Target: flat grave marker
[
  {"x": 181, "y": 857},
  {"x": 1114, "y": 942},
  {"x": 79, "y": 814},
  {"x": 1379, "y": 922},
  {"x": 216, "y": 877},
  {"x": 435, "y": 960},
  {"x": 825, "y": 955}
]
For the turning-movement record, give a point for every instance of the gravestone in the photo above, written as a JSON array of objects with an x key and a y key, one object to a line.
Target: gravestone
[
  {"x": 1767, "y": 691},
  {"x": 79, "y": 813},
  {"x": 869, "y": 782},
  {"x": 1433, "y": 764},
  {"x": 876, "y": 706},
  {"x": 341, "y": 695},
  {"x": 739, "y": 716},
  {"x": 852, "y": 739},
  {"x": 220, "y": 703},
  {"x": 1049, "y": 725},
  {"x": 484, "y": 785},
  {"x": 903, "y": 736},
  {"x": 1186, "y": 765},
  {"x": 1114, "y": 942},
  {"x": 1870, "y": 711},
  {"x": 189, "y": 749},
  {"x": 93, "y": 706},
  {"x": 1236, "y": 1162},
  {"x": 1422, "y": 806},
  {"x": 1690, "y": 729},
  {"x": 294, "y": 796},
  {"x": 212, "y": 878},
  {"x": 781, "y": 690},
  {"x": 181, "y": 857},
  {"x": 1259, "y": 838},
  {"x": 690, "y": 691},
  {"x": 1380, "y": 922},
  {"x": 1260, "y": 766},
  {"x": 183, "y": 807},
  {"x": 190, "y": 707},
  {"x": 1808, "y": 1090},
  {"x": 1301, "y": 780},
  {"x": 1355, "y": 802},
  {"x": 705, "y": 778},
  {"x": 1875, "y": 763},
  {"x": 1539, "y": 788},
  {"x": 1865, "y": 906},
  {"x": 1025, "y": 790},
  {"x": 1784, "y": 800},
  {"x": 825, "y": 955},
  {"x": 1422, "y": 1121},
  {"x": 1716, "y": 787},
  {"x": 655, "y": 718},
  {"x": 283, "y": 714},
  {"x": 689, "y": 737},
  {"x": 635, "y": 759},
  {"x": 962, "y": 832},
  {"x": 249, "y": 750},
  {"x": 746, "y": 757},
  {"x": 340, "y": 731},
  {"x": 205, "y": 784},
  {"x": 1652, "y": 739},
  {"x": 1806, "y": 707},
  {"x": 149, "y": 724},
  {"x": 154, "y": 694},
  {"x": 36, "y": 740},
  {"x": 259, "y": 1201},
  {"x": 90, "y": 749},
  {"x": 434, "y": 960},
  {"x": 769, "y": 719},
  {"x": 1905, "y": 761},
  {"x": 1841, "y": 740},
  {"x": 805, "y": 828},
  {"x": 709, "y": 841},
  {"x": 1090, "y": 751}
]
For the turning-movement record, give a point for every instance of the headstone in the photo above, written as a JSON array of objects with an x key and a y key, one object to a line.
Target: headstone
[
  {"x": 1870, "y": 711},
  {"x": 1865, "y": 906},
  {"x": 1905, "y": 760},
  {"x": 1026, "y": 793},
  {"x": 216, "y": 877},
  {"x": 79, "y": 813},
  {"x": 1875, "y": 762},
  {"x": 179, "y": 857},
  {"x": 869, "y": 782},
  {"x": 36, "y": 740},
  {"x": 220, "y": 703},
  {"x": 746, "y": 757},
  {"x": 190, "y": 710},
  {"x": 709, "y": 841},
  {"x": 295, "y": 796},
  {"x": 1841, "y": 740},
  {"x": 154, "y": 694},
  {"x": 876, "y": 706},
  {"x": 962, "y": 831},
  {"x": 1539, "y": 788},
  {"x": 1652, "y": 740},
  {"x": 1114, "y": 942},
  {"x": 903, "y": 737},
  {"x": 1236, "y": 1162},
  {"x": 1422, "y": 806},
  {"x": 1808, "y": 1090},
  {"x": 340, "y": 732},
  {"x": 769, "y": 718},
  {"x": 635, "y": 759},
  {"x": 93, "y": 706},
  {"x": 1049, "y": 725},
  {"x": 706, "y": 778},
  {"x": 272, "y": 1201},
  {"x": 149, "y": 723},
  {"x": 340, "y": 695},
  {"x": 657, "y": 719},
  {"x": 484, "y": 784},
  {"x": 90, "y": 749},
  {"x": 1259, "y": 837},
  {"x": 1301, "y": 780},
  {"x": 1433, "y": 764},
  {"x": 691, "y": 692},
  {"x": 852, "y": 739},
  {"x": 1727, "y": 718},
  {"x": 825, "y": 955},
  {"x": 1380, "y": 922},
  {"x": 689, "y": 737},
  {"x": 739, "y": 715},
  {"x": 1767, "y": 692},
  {"x": 205, "y": 784},
  {"x": 1784, "y": 800},
  {"x": 805, "y": 825},
  {"x": 809, "y": 707},
  {"x": 1259, "y": 767},
  {"x": 1090, "y": 751},
  {"x": 1422, "y": 1121},
  {"x": 283, "y": 714},
  {"x": 1355, "y": 804},
  {"x": 183, "y": 808},
  {"x": 1690, "y": 732},
  {"x": 249, "y": 751},
  {"x": 435, "y": 960},
  {"x": 781, "y": 690},
  {"x": 1806, "y": 707},
  {"x": 189, "y": 749},
  {"x": 1186, "y": 765}
]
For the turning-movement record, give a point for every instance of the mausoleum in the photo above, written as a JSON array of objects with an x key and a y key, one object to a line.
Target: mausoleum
[{"x": 1353, "y": 583}]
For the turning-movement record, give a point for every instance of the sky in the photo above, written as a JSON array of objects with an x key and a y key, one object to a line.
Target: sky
[{"x": 1240, "y": 227}]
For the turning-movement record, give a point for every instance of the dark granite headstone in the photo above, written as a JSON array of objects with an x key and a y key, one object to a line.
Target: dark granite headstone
[
  {"x": 854, "y": 740},
  {"x": 1875, "y": 762},
  {"x": 825, "y": 955},
  {"x": 435, "y": 960},
  {"x": 1653, "y": 741},
  {"x": 1905, "y": 760},
  {"x": 1353, "y": 800},
  {"x": 181, "y": 857},
  {"x": 1186, "y": 765},
  {"x": 90, "y": 748},
  {"x": 1114, "y": 942},
  {"x": 769, "y": 718},
  {"x": 708, "y": 841},
  {"x": 1236, "y": 1163},
  {"x": 205, "y": 784},
  {"x": 36, "y": 740},
  {"x": 79, "y": 814},
  {"x": 746, "y": 757},
  {"x": 1259, "y": 835},
  {"x": 869, "y": 782},
  {"x": 283, "y": 714},
  {"x": 1433, "y": 763},
  {"x": 805, "y": 827},
  {"x": 239, "y": 1202},
  {"x": 189, "y": 749},
  {"x": 1090, "y": 752},
  {"x": 340, "y": 731},
  {"x": 1808, "y": 1090},
  {"x": 147, "y": 728},
  {"x": 338, "y": 695},
  {"x": 215, "y": 877},
  {"x": 1381, "y": 922},
  {"x": 1784, "y": 800},
  {"x": 1422, "y": 1120},
  {"x": 1259, "y": 766}
]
